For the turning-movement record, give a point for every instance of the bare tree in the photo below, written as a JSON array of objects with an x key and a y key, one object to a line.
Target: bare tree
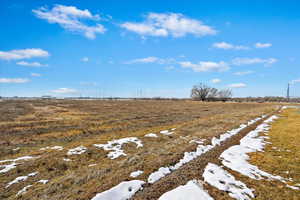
[
  {"x": 225, "y": 93},
  {"x": 200, "y": 92}
]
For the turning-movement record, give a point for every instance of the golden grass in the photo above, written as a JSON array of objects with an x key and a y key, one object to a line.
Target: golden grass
[
  {"x": 280, "y": 157},
  {"x": 74, "y": 123}
]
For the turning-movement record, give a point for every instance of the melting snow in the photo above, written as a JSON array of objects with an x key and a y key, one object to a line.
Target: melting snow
[
  {"x": 191, "y": 191},
  {"x": 20, "y": 178},
  {"x": 221, "y": 179},
  {"x": 136, "y": 173},
  {"x": 115, "y": 146},
  {"x": 77, "y": 150},
  {"x": 59, "y": 148},
  {"x": 201, "y": 149},
  {"x": 24, "y": 190},
  {"x": 123, "y": 191},
  {"x": 43, "y": 181},
  {"x": 151, "y": 135},
  {"x": 13, "y": 163},
  {"x": 166, "y": 132},
  {"x": 236, "y": 157}
]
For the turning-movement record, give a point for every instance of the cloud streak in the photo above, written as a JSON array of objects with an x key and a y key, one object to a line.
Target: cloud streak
[
  {"x": 23, "y": 54},
  {"x": 169, "y": 24},
  {"x": 206, "y": 66},
  {"x": 14, "y": 80},
  {"x": 71, "y": 19},
  {"x": 227, "y": 46}
]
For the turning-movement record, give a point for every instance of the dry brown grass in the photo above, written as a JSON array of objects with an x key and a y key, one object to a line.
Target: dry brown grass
[{"x": 74, "y": 123}]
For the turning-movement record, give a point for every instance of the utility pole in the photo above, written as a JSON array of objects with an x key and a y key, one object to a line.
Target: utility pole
[{"x": 288, "y": 92}]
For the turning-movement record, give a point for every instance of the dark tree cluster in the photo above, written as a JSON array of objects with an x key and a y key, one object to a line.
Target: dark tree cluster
[{"x": 202, "y": 92}]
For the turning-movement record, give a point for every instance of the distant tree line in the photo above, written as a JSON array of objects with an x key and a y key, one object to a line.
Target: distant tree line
[{"x": 202, "y": 92}]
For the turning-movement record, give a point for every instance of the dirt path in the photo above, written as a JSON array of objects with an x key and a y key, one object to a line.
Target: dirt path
[{"x": 192, "y": 170}]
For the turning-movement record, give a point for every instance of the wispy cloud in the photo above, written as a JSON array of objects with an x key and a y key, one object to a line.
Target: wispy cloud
[
  {"x": 249, "y": 61},
  {"x": 71, "y": 19},
  {"x": 295, "y": 81},
  {"x": 215, "y": 80},
  {"x": 205, "y": 66},
  {"x": 169, "y": 24},
  {"x": 227, "y": 46},
  {"x": 14, "y": 80},
  {"x": 151, "y": 59},
  {"x": 85, "y": 59},
  {"x": 64, "y": 91},
  {"x": 262, "y": 45},
  {"x": 243, "y": 73},
  {"x": 237, "y": 85},
  {"x": 30, "y": 64},
  {"x": 35, "y": 74},
  {"x": 23, "y": 54}
]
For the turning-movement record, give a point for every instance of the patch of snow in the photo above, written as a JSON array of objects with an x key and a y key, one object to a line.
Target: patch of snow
[
  {"x": 115, "y": 146},
  {"x": 236, "y": 157},
  {"x": 161, "y": 172},
  {"x": 77, "y": 150},
  {"x": 201, "y": 149},
  {"x": 20, "y": 178},
  {"x": 13, "y": 163},
  {"x": 293, "y": 187},
  {"x": 67, "y": 159},
  {"x": 16, "y": 149},
  {"x": 43, "y": 181},
  {"x": 59, "y": 148},
  {"x": 92, "y": 165},
  {"x": 221, "y": 179},
  {"x": 173, "y": 129},
  {"x": 151, "y": 135},
  {"x": 190, "y": 191},
  {"x": 123, "y": 191},
  {"x": 166, "y": 132},
  {"x": 136, "y": 173},
  {"x": 24, "y": 190}
]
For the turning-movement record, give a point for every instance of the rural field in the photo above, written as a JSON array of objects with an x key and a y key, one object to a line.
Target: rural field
[{"x": 77, "y": 149}]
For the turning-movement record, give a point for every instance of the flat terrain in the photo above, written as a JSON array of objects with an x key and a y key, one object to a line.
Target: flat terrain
[{"x": 32, "y": 128}]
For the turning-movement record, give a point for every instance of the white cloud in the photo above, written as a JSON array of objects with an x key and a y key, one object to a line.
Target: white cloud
[
  {"x": 262, "y": 45},
  {"x": 295, "y": 81},
  {"x": 13, "y": 80},
  {"x": 249, "y": 61},
  {"x": 35, "y": 74},
  {"x": 215, "y": 80},
  {"x": 237, "y": 85},
  {"x": 30, "y": 64},
  {"x": 205, "y": 66},
  {"x": 225, "y": 45},
  {"x": 151, "y": 59},
  {"x": 23, "y": 54},
  {"x": 243, "y": 73},
  {"x": 70, "y": 18},
  {"x": 85, "y": 59},
  {"x": 64, "y": 91},
  {"x": 165, "y": 24}
]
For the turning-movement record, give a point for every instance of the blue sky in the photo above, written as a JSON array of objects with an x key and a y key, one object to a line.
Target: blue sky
[{"x": 148, "y": 48}]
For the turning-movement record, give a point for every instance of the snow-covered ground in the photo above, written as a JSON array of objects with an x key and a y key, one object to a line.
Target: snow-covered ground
[
  {"x": 59, "y": 148},
  {"x": 221, "y": 179},
  {"x": 12, "y": 163},
  {"x": 20, "y": 179},
  {"x": 136, "y": 173},
  {"x": 201, "y": 149},
  {"x": 236, "y": 158},
  {"x": 123, "y": 191},
  {"x": 77, "y": 150},
  {"x": 191, "y": 191},
  {"x": 115, "y": 146}
]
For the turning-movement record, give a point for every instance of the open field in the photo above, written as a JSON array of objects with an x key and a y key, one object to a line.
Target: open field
[{"x": 33, "y": 128}]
